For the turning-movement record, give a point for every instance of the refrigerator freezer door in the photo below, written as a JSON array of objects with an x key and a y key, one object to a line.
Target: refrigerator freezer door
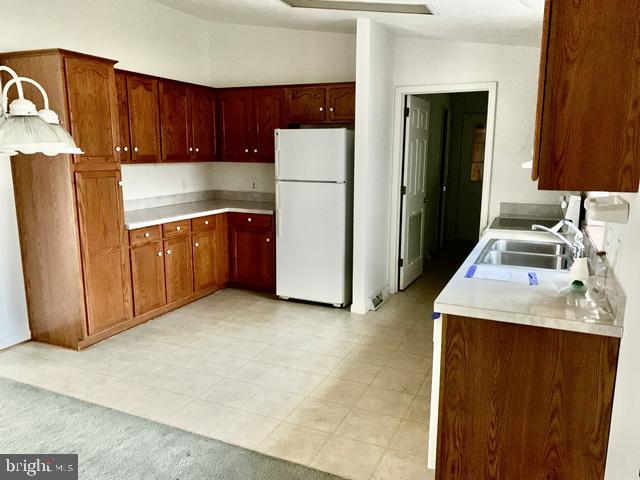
[
  {"x": 311, "y": 257},
  {"x": 314, "y": 155}
]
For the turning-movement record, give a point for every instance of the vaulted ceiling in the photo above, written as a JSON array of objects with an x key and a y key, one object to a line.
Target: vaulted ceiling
[{"x": 511, "y": 22}]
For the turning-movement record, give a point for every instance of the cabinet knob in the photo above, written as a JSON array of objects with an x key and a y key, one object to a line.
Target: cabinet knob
[
  {"x": 206, "y": 222},
  {"x": 159, "y": 254},
  {"x": 249, "y": 219},
  {"x": 135, "y": 149},
  {"x": 268, "y": 240},
  {"x": 191, "y": 149},
  {"x": 119, "y": 183},
  {"x": 197, "y": 244},
  {"x": 331, "y": 109},
  {"x": 322, "y": 109},
  {"x": 168, "y": 252},
  {"x": 178, "y": 228},
  {"x": 147, "y": 235},
  {"x": 255, "y": 150},
  {"x": 126, "y": 149},
  {"x": 117, "y": 149},
  {"x": 197, "y": 149},
  {"x": 246, "y": 150}
]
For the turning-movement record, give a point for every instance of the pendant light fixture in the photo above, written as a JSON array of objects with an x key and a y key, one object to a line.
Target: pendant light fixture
[{"x": 23, "y": 129}]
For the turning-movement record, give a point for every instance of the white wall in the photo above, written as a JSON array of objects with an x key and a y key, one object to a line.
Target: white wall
[
  {"x": 251, "y": 55},
  {"x": 373, "y": 142},
  {"x": 427, "y": 62},
  {"x": 624, "y": 441},
  {"x": 14, "y": 324}
]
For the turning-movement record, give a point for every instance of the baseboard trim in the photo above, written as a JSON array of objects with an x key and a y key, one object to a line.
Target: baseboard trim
[
  {"x": 359, "y": 309},
  {"x": 10, "y": 341}
]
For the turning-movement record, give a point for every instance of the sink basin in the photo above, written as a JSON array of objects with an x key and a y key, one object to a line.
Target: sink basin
[
  {"x": 517, "y": 253},
  {"x": 544, "y": 248}
]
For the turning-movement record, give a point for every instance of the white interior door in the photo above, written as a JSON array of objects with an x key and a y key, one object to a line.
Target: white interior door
[{"x": 414, "y": 189}]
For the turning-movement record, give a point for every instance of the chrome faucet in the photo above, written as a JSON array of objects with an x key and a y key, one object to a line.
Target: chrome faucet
[{"x": 577, "y": 246}]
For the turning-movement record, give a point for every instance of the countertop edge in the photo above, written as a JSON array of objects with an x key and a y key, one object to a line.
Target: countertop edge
[
  {"x": 530, "y": 320},
  {"x": 187, "y": 216}
]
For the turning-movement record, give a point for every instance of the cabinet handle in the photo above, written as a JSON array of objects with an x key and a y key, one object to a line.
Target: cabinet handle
[
  {"x": 191, "y": 149},
  {"x": 246, "y": 150},
  {"x": 268, "y": 240},
  {"x": 197, "y": 244},
  {"x": 197, "y": 149},
  {"x": 168, "y": 252},
  {"x": 159, "y": 254},
  {"x": 147, "y": 235},
  {"x": 322, "y": 109},
  {"x": 126, "y": 149},
  {"x": 331, "y": 109},
  {"x": 206, "y": 222},
  {"x": 117, "y": 149},
  {"x": 255, "y": 150},
  {"x": 178, "y": 228},
  {"x": 119, "y": 183},
  {"x": 249, "y": 219},
  {"x": 135, "y": 149}
]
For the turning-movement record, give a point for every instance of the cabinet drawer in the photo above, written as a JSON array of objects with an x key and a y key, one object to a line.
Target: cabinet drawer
[
  {"x": 176, "y": 228},
  {"x": 146, "y": 234},
  {"x": 203, "y": 223},
  {"x": 251, "y": 219}
]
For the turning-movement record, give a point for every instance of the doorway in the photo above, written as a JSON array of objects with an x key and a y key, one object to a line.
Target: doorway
[{"x": 443, "y": 176}]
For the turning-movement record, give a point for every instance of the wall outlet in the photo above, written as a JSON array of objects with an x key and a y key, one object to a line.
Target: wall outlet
[{"x": 253, "y": 185}]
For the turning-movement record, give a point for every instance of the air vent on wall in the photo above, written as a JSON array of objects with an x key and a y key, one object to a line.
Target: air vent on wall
[{"x": 412, "y": 8}]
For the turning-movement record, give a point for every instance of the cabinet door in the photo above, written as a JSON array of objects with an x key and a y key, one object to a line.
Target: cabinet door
[
  {"x": 306, "y": 104},
  {"x": 587, "y": 132},
  {"x": 251, "y": 256},
  {"x": 222, "y": 250},
  {"x": 122, "y": 148},
  {"x": 203, "y": 114},
  {"x": 144, "y": 118},
  {"x": 204, "y": 260},
  {"x": 236, "y": 138},
  {"x": 147, "y": 272},
  {"x": 175, "y": 122},
  {"x": 93, "y": 109},
  {"x": 269, "y": 115},
  {"x": 342, "y": 103},
  {"x": 178, "y": 268},
  {"x": 105, "y": 260}
]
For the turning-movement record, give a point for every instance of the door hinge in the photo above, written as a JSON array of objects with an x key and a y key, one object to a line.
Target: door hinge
[
  {"x": 443, "y": 188},
  {"x": 403, "y": 190},
  {"x": 401, "y": 262},
  {"x": 406, "y": 111}
]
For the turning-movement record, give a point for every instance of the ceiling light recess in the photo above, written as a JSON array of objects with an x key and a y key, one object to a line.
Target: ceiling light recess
[{"x": 410, "y": 8}]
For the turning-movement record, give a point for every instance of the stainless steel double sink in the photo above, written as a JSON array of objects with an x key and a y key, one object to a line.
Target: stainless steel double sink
[{"x": 528, "y": 254}]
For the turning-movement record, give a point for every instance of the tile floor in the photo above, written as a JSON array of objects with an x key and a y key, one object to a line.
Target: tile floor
[{"x": 342, "y": 393}]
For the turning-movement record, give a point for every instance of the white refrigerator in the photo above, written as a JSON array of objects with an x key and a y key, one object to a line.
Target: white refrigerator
[{"x": 314, "y": 214}]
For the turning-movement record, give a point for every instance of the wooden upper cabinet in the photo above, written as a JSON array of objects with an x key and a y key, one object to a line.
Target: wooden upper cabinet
[
  {"x": 306, "y": 104},
  {"x": 175, "y": 122},
  {"x": 269, "y": 115},
  {"x": 147, "y": 273},
  {"x": 92, "y": 108},
  {"x": 588, "y": 122},
  {"x": 203, "y": 121},
  {"x": 122, "y": 148},
  {"x": 342, "y": 103},
  {"x": 144, "y": 118},
  {"x": 105, "y": 257},
  {"x": 178, "y": 268},
  {"x": 236, "y": 118}
]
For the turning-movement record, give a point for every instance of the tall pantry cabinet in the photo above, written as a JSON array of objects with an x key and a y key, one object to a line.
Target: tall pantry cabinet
[{"x": 69, "y": 207}]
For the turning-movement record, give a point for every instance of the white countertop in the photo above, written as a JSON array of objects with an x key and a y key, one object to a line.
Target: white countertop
[
  {"x": 182, "y": 211},
  {"x": 549, "y": 304}
]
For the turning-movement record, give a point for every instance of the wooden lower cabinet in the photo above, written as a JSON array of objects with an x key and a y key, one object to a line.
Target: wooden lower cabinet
[
  {"x": 210, "y": 255},
  {"x": 523, "y": 402},
  {"x": 251, "y": 251},
  {"x": 147, "y": 273},
  {"x": 105, "y": 261},
  {"x": 178, "y": 268}
]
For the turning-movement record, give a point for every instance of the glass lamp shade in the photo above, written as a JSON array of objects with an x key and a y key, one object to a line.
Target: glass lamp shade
[
  {"x": 64, "y": 137},
  {"x": 28, "y": 134}
]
